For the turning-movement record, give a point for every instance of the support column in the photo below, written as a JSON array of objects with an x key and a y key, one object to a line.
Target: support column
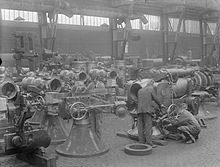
[
  {"x": 205, "y": 40},
  {"x": 1, "y": 30},
  {"x": 201, "y": 42},
  {"x": 165, "y": 30},
  {"x": 176, "y": 36},
  {"x": 111, "y": 36},
  {"x": 218, "y": 51},
  {"x": 216, "y": 40},
  {"x": 184, "y": 25},
  {"x": 114, "y": 40}
]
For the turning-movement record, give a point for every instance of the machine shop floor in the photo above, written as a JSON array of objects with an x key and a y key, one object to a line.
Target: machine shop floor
[{"x": 204, "y": 153}]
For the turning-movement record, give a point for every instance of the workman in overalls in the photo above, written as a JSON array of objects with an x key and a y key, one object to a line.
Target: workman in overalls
[{"x": 146, "y": 96}]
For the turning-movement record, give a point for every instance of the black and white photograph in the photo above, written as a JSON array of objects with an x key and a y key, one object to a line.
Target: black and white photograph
[{"x": 109, "y": 83}]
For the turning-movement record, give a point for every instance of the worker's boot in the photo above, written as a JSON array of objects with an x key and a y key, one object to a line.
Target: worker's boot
[{"x": 191, "y": 139}]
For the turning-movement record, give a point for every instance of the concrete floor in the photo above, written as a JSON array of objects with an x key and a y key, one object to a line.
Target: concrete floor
[{"x": 204, "y": 153}]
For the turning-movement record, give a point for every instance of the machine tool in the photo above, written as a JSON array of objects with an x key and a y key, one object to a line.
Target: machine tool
[
  {"x": 85, "y": 138},
  {"x": 27, "y": 143}
]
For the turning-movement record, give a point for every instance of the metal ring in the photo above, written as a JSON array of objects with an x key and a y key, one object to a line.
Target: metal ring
[
  {"x": 169, "y": 111},
  {"x": 78, "y": 110}
]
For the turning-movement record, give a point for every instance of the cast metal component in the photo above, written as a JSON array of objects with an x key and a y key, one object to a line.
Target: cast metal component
[
  {"x": 112, "y": 74},
  {"x": 84, "y": 139},
  {"x": 138, "y": 149},
  {"x": 180, "y": 72},
  {"x": 182, "y": 87},
  {"x": 203, "y": 79},
  {"x": 52, "y": 124},
  {"x": 82, "y": 76},
  {"x": 79, "y": 112},
  {"x": 54, "y": 85},
  {"x": 8, "y": 89},
  {"x": 27, "y": 140}
]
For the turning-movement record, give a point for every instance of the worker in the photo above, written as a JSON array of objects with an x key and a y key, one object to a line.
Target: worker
[
  {"x": 186, "y": 124},
  {"x": 145, "y": 98},
  {"x": 189, "y": 54},
  {"x": 212, "y": 60}
]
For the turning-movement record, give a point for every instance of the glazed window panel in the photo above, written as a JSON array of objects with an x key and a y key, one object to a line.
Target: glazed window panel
[
  {"x": 74, "y": 20},
  {"x": 95, "y": 21},
  {"x": 212, "y": 27},
  {"x": 135, "y": 24},
  {"x": 12, "y": 15},
  {"x": 153, "y": 23},
  {"x": 192, "y": 26}
]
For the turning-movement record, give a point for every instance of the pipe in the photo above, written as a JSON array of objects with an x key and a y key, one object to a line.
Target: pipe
[{"x": 179, "y": 72}]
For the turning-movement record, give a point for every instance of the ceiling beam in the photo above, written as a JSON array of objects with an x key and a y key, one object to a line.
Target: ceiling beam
[
  {"x": 173, "y": 9},
  {"x": 104, "y": 7}
]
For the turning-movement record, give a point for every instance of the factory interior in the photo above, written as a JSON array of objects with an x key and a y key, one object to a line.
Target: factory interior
[{"x": 109, "y": 83}]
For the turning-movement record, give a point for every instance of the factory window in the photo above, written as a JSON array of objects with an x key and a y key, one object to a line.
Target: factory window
[
  {"x": 96, "y": 21},
  {"x": 135, "y": 24},
  {"x": 173, "y": 23},
  {"x": 192, "y": 26},
  {"x": 153, "y": 23},
  {"x": 62, "y": 19},
  {"x": 212, "y": 28},
  {"x": 19, "y": 15}
]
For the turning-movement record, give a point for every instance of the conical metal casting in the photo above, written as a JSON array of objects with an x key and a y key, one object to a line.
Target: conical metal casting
[
  {"x": 37, "y": 118},
  {"x": 82, "y": 142},
  {"x": 52, "y": 124}
]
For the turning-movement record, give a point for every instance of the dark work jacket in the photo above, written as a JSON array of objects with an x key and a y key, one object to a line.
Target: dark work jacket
[
  {"x": 186, "y": 119},
  {"x": 146, "y": 96}
]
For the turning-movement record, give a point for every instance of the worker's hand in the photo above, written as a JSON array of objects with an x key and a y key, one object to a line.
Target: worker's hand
[{"x": 163, "y": 108}]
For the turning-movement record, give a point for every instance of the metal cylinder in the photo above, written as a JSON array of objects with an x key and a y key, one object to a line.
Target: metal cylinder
[
  {"x": 54, "y": 85},
  {"x": 80, "y": 65},
  {"x": 38, "y": 82},
  {"x": 180, "y": 72},
  {"x": 164, "y": 92},
  {"x": 91, "y": 65},
  {"x": 67, "y": 74},
  {"x": 181, "y": 87},
  {"x": 112, "y": 74},
  {"x": 39, "y": 138},
  {"x": 82, "y": 76},
  {"x": 201, "y": 80},
  {"x": 209, "y": 77},
  {"x": 8, "y": 89}
]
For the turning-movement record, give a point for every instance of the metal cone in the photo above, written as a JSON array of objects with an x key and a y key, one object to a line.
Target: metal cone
[
  {"x": 36, "y": 118},
  {"x": 82, "y": 142},
  {"x": 52, "y": 124}
]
